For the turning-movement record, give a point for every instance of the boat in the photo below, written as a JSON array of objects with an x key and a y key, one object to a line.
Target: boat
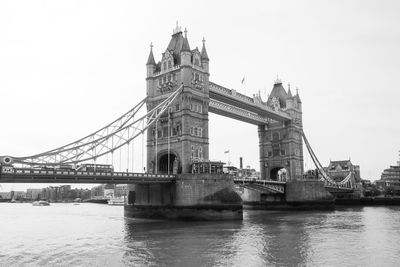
[
  {"x": 116, "y": 201},
  {"x": 40, "y": 203}
]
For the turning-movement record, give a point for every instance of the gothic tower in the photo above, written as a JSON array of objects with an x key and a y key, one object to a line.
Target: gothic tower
[
  {"x": 281, "y": 146},
  {"x": 180, "y": 136}
]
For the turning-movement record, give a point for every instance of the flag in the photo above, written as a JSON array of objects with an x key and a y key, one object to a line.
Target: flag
[
  {"x": 227, "y": 151},
  {"x": 243, "y": 80}
]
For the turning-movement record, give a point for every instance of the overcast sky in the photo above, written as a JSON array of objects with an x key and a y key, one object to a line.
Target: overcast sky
[{"x": 69, "y": 67}]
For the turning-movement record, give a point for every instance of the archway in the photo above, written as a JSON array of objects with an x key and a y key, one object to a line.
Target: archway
[
  {"x": 163, "y": 163},
  {"x": 279, "y": 174}
]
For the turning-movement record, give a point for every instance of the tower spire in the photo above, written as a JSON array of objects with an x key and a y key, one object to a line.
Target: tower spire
[
  {"x": 150, "y": 60},
  {"x": 177, "y": 29},
  {"x": 289, "y": 92},
  {"x": 185, "y": 46},
  {"x": 204, "y": 55}
]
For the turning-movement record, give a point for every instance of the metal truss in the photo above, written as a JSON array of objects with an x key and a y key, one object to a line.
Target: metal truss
[{"x": 104, "y": 141}]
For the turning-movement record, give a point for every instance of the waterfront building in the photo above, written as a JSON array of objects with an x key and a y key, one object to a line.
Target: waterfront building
[
  {"x": 103, "y": 191},
  {"x": 121, "y": 190},
  {"x": 33, "y": 193},
  {"x": 5, "y": 195},
  {"x": 391, "y": 177},
  {"x": 338, "y": 170},
  {"x": 18, "y": 194}
]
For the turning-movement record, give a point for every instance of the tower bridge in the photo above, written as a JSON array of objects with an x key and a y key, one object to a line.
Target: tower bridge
[{"x": 179, "y": 97}]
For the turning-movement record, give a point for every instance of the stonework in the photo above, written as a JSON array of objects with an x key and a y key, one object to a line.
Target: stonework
[
  {"x": 180, "y": 135},
  {"x": 281, "y": 145}
]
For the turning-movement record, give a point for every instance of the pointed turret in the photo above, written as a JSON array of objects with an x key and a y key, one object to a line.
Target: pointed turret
[
  {"x": 204, "y": 55},
  {"x": 289, "y": 92},
  {"x": 150, "y": 60},
  {"x": 297, "y": 95},
  {"x": 185, "y": 45}
]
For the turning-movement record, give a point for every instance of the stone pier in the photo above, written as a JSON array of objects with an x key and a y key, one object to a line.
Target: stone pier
[{"x": 192, "y": 197}]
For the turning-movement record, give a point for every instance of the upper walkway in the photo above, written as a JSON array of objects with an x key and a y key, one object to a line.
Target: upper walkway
[{"x": 228, "y": 102}]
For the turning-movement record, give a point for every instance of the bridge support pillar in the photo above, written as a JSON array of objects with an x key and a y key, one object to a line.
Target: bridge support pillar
[
  {"x": 191, "y": 197},
  {"x": 308, "y": 194}
]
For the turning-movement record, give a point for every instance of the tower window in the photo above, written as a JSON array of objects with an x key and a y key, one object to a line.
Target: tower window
[
  {"x": 177, "y": 107},
  {"x": 169, "y": 64},
  {"x": 165, "y": 65},
  {"x": 275, "y": 136}
]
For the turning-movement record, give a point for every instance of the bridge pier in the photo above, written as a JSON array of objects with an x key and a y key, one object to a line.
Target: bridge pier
[
  {"x": 191, "y": 197},
  {"x": 299, "y": 195}
]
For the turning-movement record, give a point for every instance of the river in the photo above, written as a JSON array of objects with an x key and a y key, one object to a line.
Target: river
[{"x": 98, "y": 235}]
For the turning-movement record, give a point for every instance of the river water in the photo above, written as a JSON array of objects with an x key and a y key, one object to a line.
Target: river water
[{"x": 99, "y": 235}]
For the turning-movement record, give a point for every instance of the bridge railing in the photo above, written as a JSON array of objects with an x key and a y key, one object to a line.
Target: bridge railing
[
  {"x": 37, "y": 172},
  {"x": 276, "y": 186}
]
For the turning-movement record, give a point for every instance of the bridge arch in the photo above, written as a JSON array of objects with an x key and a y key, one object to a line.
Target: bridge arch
[
  {"x": 173, "y": 164},
  {"x": 279, "y": 174}
]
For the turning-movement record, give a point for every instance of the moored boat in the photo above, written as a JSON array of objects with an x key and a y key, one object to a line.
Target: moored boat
[
  {"x": 40, "y": 203},
  {"x": 116, "y": 201}
]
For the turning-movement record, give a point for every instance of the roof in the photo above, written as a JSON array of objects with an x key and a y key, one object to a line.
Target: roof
[
  {"x": 204, "y": 55},
  {"x": 280, "y": 92},
  {"x": 150, "y": 60},
  {"x": 344, "y": 164},
  {"x": 177, "y": 44}
]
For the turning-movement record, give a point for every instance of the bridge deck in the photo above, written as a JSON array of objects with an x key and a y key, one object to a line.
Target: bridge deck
[{"x": 23, "y": 175}]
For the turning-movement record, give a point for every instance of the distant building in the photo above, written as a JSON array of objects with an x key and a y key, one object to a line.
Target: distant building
[
  {"x": 97, "y": 192},
  {"x": 33, "y": 194},
  {"x": 5, "y": 195},
  {"x": 339, "y": 170},
  {"x": 391, "y": 177},
  {"x": 121, "y": 190},
  {"x": 103, "y": 191},
  {"x": 18, "y": 194}
]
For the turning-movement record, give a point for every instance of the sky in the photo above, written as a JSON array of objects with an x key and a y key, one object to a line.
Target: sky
[{"x": 67, "y": 68}]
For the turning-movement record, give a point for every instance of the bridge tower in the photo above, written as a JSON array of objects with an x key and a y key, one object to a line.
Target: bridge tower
[
  {"x": 281, "y": 146},
  {"x": 180, "y": 136}
]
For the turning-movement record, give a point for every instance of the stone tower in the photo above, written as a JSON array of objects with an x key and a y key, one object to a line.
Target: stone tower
[
  {"x": 180, "y": 136},
  {"x": 281, "y": 146}
]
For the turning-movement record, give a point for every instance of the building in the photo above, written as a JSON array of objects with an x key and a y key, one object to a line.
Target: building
[
  {"x": 339, "y": 170},
  {"x": 391, "y": 177},
  {"x": 180, "y": 136},
  {"x": 103, "y": 191},
  {"x": 121, "y": 190},
  {"x": 18, "y": 195},
  {"x": 33, "y": 194},
  {"x": 97, "y": 192},
  {"x": 5, "y": 195},
  {"x": 281, "y": 146}
]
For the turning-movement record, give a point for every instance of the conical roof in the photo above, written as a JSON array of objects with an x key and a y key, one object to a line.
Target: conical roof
[
  {"x": 150, "y": 60},
  {"x": 204, "y": 55},
  {"x": 289, "y": 93},
  {"x": 185, "y": 45}
]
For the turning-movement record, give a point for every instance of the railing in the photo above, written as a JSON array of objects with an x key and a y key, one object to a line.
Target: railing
[
  {"x": 276, "y": 186},
  {"x": 6, "y": 170}
]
